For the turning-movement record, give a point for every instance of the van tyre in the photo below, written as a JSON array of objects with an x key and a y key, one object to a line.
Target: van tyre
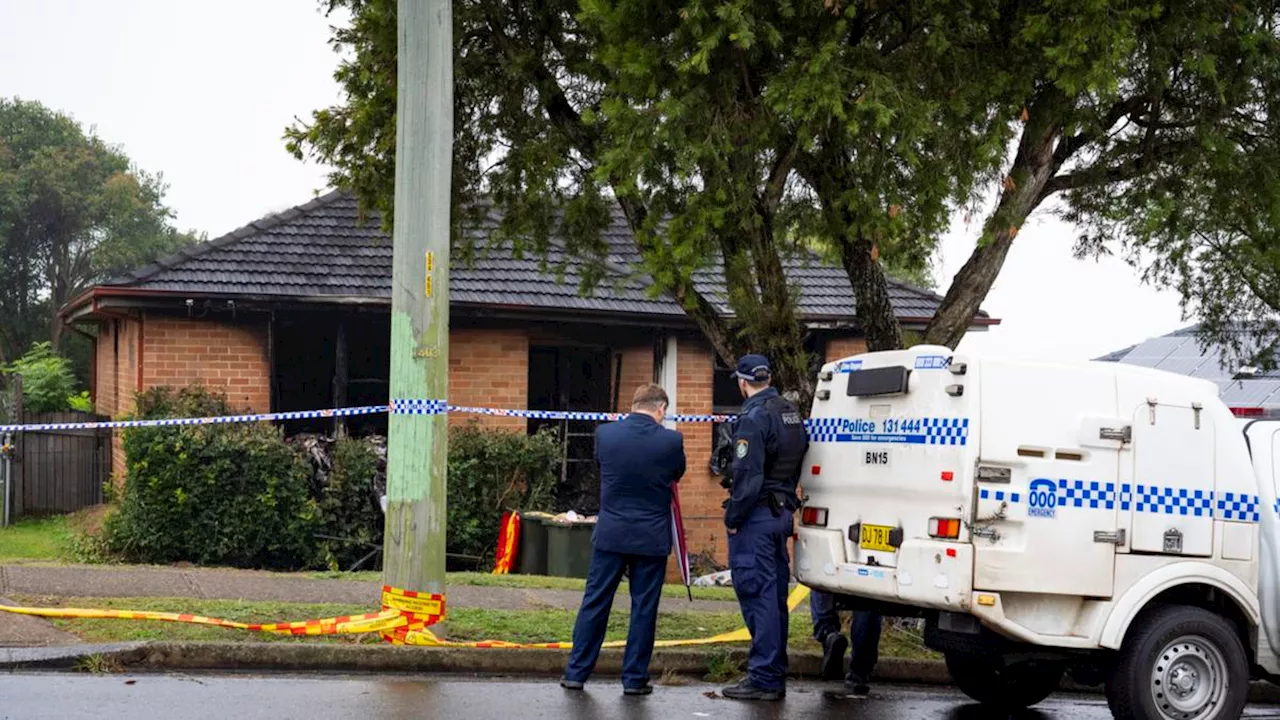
[
  {"x": 1180, "y": 663},
  {"x": 1012, "y": 687}
]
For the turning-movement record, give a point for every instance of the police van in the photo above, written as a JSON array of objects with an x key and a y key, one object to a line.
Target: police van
[{"x": 1110, "y": 522}]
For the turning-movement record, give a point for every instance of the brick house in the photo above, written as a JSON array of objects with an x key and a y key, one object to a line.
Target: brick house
[{"x": 291, "y": 312}]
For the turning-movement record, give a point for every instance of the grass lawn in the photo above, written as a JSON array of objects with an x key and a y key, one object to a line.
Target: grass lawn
[
  {"x": 37, "y": 539},
  {"x": 539, "y": 582},
  {"x": 462, "y": 624}
]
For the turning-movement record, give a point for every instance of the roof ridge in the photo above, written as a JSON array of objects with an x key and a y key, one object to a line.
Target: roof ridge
[{"x": 260, "y": 225}]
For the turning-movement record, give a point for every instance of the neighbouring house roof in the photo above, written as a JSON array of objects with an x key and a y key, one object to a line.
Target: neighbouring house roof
[
  {"x": 322, "y": 251},
  {"x": 1180, "y": 352}
]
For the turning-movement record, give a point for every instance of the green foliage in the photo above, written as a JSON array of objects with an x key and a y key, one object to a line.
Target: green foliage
[
  {"x": 348, "y": 500},
  {"x": 73, "y": 211},
  {"x": 48, "y": 384},
  {"x": 81, "y": 403},
  {"x": 728, "y": 130},
  {"x": 1203, "y": 218},
  {"x": 492, "y": 471},
  {"x": 231, "y": 494},
  {"x": 725, "y": 130}
]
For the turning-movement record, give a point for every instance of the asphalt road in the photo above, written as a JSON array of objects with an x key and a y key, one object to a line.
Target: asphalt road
[{"x": 25, "y": 696}]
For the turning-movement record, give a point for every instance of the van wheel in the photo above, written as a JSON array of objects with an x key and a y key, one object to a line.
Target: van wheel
[
  {"x": 1180, "y": 663},
  {"x": 1013, "y": 687}
]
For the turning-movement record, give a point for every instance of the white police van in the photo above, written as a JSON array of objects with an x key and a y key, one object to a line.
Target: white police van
[{"x": 1108, "y": 521}]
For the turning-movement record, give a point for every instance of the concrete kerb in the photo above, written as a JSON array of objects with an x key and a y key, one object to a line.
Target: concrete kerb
[
  {"x": 298, "y": 657},
  {"x": 326, "y": 657}
]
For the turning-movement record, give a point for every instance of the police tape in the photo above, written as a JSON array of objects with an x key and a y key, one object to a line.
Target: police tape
[
  {"x": 396, "y": 407},
  {"x": 405, "y": 619}
]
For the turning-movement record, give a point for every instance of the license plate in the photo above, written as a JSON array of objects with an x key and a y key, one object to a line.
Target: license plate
[{"x": 876, "y": 537}]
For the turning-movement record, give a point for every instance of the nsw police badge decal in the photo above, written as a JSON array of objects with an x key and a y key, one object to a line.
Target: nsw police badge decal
[{"x": 741, "y": 449}]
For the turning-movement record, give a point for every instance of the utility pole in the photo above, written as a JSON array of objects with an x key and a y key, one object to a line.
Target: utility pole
[{"x": 417, "y": 440}]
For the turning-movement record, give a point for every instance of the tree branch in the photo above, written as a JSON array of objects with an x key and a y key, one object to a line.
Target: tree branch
[
  {"x": 778, "y": 174},
  {"x": 1126, "y": 170}
]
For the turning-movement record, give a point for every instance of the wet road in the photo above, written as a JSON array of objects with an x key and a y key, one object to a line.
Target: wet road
[{"x": 114, "y": 697}]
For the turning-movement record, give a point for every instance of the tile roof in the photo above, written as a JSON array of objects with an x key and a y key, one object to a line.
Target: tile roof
[{"x": 321, "y": 250}]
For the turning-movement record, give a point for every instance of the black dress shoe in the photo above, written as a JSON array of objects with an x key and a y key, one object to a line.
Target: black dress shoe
[
  {"x": 745, "y": 690},
  {"x": 568, "y": 684},
  {"x": 645, "y": 689},
  {"x": 856, "y": 686},
  {"x": 833, "y": 648}
]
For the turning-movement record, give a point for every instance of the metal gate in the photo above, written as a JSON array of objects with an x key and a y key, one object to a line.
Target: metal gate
[{"x": 49, "y": 471}]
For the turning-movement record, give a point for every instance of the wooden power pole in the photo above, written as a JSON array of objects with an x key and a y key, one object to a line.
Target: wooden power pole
[{"x": 417, "y": 442}]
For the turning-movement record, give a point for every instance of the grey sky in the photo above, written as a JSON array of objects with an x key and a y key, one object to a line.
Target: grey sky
[{"x": 202, "y": 92}]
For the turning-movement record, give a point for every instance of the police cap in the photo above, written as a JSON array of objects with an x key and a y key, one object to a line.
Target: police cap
[{"x": 753, "y": 368}]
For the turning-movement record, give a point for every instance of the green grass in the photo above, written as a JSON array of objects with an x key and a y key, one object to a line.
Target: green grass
[
  {"x": 537, "y": 582},
  {"x": 37, "y": 539},
  {"x": 530, "y": 626},
  {"x": 106, "y": 631}
]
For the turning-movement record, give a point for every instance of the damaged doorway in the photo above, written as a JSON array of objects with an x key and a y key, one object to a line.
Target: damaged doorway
[{"x": 574, "y": 379}]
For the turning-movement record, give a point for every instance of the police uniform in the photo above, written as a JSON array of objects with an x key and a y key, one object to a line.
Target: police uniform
[{"x": 769, "y": 444}]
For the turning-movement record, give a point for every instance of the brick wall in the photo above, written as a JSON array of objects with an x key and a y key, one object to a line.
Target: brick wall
[
  {"x": 107, "y": 383},
  {"x": 700, "y": 492},
  {"x": 489, "y": 368},
  {"x": 843, "y": 347},
  {"x": 637, "y": 370},
  {"x": 224, "y": 357}
]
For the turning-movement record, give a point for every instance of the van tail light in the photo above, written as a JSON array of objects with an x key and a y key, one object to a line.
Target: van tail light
[
  {"x": 813, "y": 517},
  {"x": 948, "y": 528}
]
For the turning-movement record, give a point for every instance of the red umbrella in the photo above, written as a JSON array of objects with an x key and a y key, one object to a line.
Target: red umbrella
[{"x": 682, "y": 549}]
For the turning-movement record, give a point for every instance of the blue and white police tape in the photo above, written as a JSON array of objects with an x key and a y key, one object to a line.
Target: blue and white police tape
[{"x": 398, "y": 407}]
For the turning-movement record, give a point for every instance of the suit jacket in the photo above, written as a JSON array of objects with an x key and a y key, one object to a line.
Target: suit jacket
[{"x": 639, "y": 462}]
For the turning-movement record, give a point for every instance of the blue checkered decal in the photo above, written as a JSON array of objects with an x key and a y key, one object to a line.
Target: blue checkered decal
[
  {"x": 1094, "y": 495},
  {"x": 910, "y": 431},
  {"x": 1091, "y": 494},
  {"x": 1238, "y": 506},
  {"x": 999, "y": 495},
  {"x": 1167, "y": 500}
]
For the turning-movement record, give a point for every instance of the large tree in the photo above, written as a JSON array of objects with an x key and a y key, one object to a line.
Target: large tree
[
  {"x": 735, "y": 134},
  {"x": 73, "y": 211},
  {"x": 1134, "y": 110},
  {"x": 696, "y": 119},
  {"x": 1205, "y": 218}
]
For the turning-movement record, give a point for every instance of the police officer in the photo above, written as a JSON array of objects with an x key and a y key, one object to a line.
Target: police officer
[
  {"x": 864, "y": 630},
  {"x": 769, "y": 444}
]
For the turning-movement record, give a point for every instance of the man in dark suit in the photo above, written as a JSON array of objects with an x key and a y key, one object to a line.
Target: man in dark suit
[{"x": 639, "y": 461}]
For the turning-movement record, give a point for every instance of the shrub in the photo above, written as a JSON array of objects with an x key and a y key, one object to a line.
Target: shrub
[
  {"x": 491, "y": 471},
  {"x": 348, "y": 481},
  {"x": 48, "y": 385},
  {"x": 80, "y": 403},
  {"x": 211, "y": 494}
]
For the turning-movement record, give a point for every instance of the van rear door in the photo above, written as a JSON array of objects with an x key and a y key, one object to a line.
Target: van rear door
[
  {"x": 1048, "y": 498},
  {"x": 893, "y": 449}
]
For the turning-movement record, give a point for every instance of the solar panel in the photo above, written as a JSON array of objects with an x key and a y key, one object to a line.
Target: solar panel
[
  {"x": 1249, "y": 393},
  {"x": 1211, "y": 368},
  {"x": 1189, "y": 348},
  {"x": 1181, "y": 366},
  {"x": 1150, "y": 352}
]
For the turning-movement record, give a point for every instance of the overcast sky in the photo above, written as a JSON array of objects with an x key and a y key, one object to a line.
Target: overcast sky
[{"x": 203, "y": 91}]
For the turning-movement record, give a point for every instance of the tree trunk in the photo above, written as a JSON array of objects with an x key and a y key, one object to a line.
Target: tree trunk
[
  {"x": 1024, "y": 190},
  {"x": 871, "y": 293}
]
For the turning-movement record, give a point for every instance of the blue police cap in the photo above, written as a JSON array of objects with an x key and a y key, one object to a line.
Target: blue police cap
[{"x": 754, "y": 368}]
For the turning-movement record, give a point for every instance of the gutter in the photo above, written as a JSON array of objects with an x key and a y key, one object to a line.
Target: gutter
[{"x": 75, "y": 306}]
